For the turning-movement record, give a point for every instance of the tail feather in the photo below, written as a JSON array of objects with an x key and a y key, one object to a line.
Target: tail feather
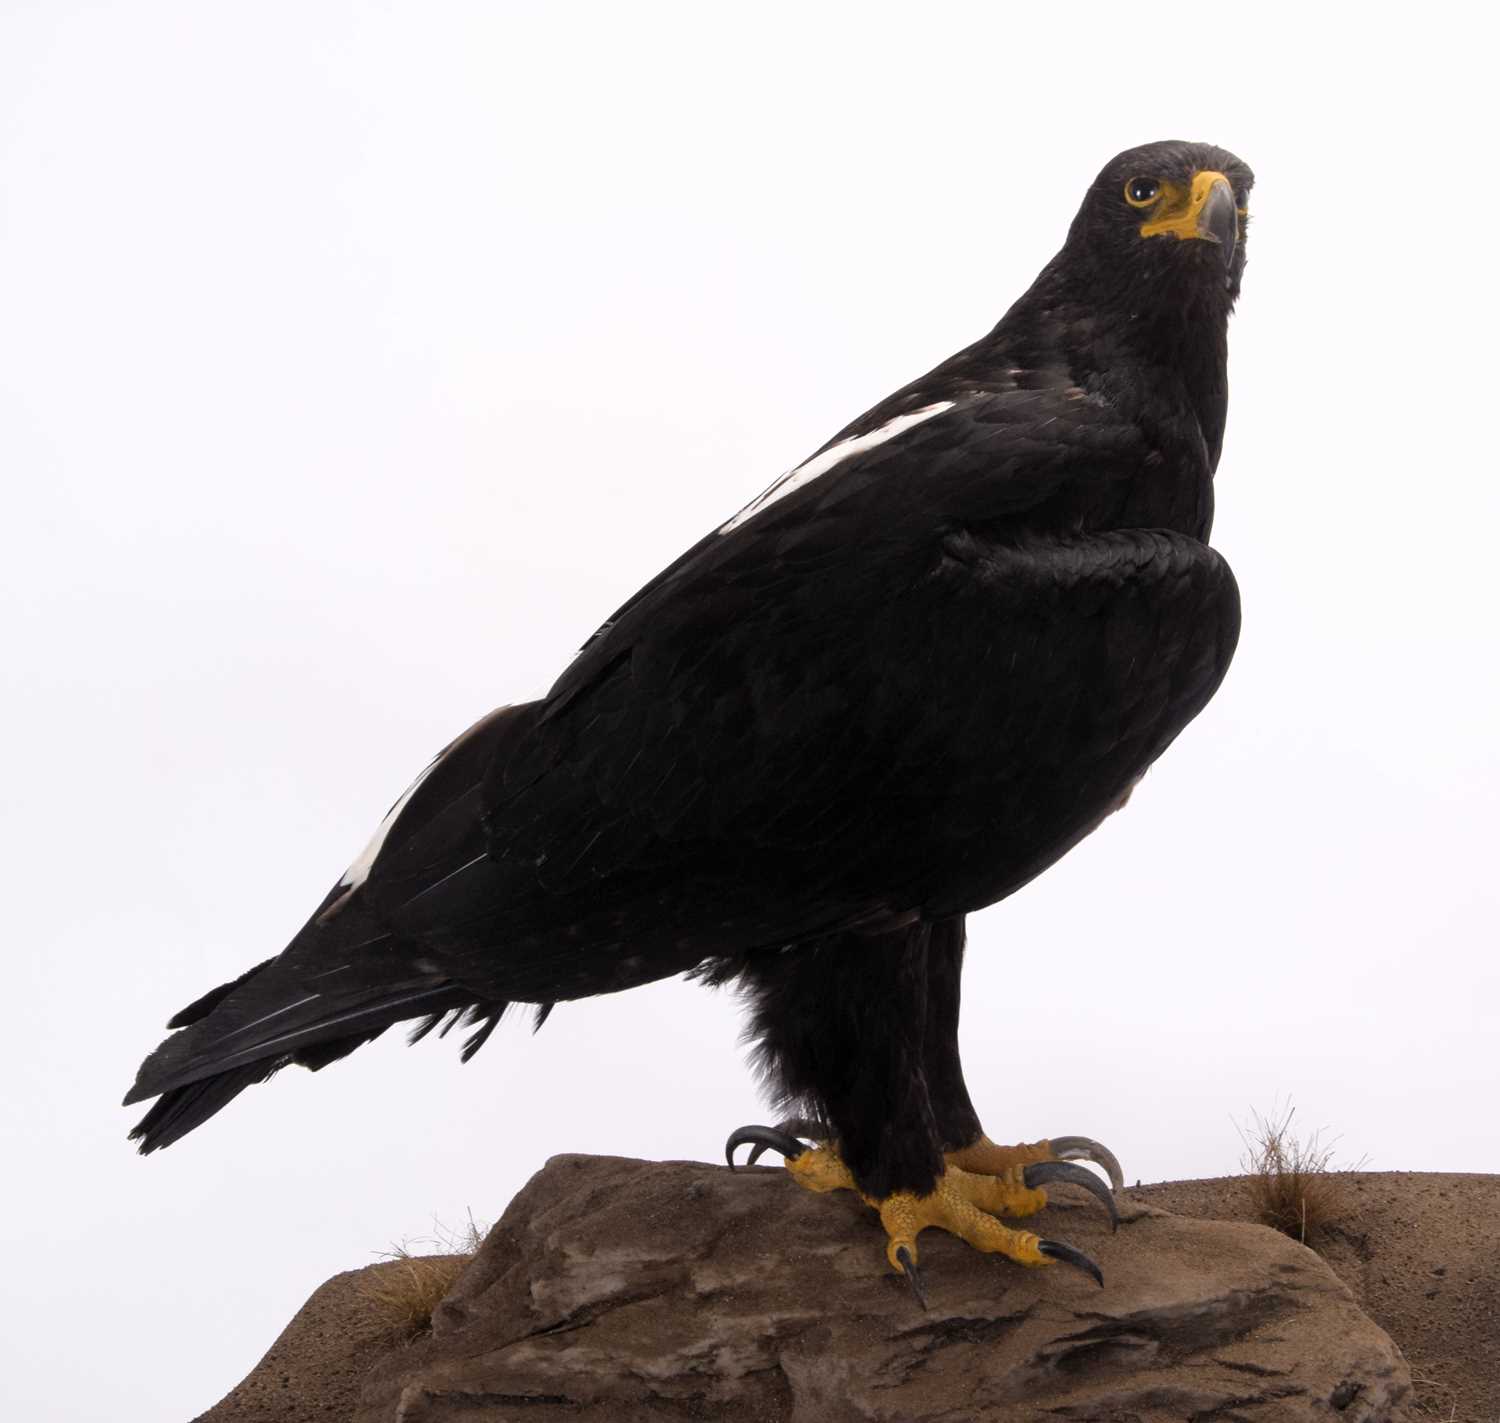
[
  {"x": 211, "y": 1048},
  {"x": 349, "y": 974},
  {"x": 202, "y": 1007},
  {"x": 317, "y": 1056},
  {"x": 177, "y": 1112},
  {"x": 488, "y": 1019},
  {"x": 189, "y": 1096}
]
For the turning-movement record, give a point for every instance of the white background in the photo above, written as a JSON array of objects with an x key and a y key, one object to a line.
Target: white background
[{"x": 355, "y": 360}]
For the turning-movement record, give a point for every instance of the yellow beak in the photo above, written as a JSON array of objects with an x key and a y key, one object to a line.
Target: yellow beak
[{"x": 1205, "y": 212}]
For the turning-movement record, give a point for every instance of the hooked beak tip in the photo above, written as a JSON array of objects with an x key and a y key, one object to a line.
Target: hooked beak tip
[{"x": 1219, "y": 220}]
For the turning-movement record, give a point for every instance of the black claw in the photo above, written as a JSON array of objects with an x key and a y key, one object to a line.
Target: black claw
[
  {"x": 1056, "y": 1250},
  {"x": 793, "y": 1126},
  {"x": 909, "y": 1269},
  {"x": 1040, "y": 1173},
  {"x": 781, "y": 1141},
  {"x": 1085, "y": 1148}
]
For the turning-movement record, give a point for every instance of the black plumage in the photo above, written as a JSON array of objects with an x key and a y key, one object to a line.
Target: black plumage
[{"x": 886, "y": 695}]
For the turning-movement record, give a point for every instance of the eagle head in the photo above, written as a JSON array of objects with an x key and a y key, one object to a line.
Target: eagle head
[{"x": 1164, "y": 223}]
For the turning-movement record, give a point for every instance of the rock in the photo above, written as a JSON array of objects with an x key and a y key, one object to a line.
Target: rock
[
  {"x": 1392, "y": 1228},
  {"x": 624, "y": 1290},
  {"x": 318, "y": 1365}
]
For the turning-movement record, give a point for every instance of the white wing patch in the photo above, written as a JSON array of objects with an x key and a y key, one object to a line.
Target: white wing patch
[
  {"x": 833, "y": 455},
  {"x": 359, "y": 871}
]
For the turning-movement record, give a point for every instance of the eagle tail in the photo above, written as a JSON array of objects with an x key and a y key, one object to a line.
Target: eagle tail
[
  {"x": 246, "y": 1031},
  {"x": 347, "y": 976},
  {"x": 174, "y": 1114}
]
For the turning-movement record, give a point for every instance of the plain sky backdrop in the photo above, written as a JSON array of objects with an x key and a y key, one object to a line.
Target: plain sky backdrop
[{"x": 357, "y": 359}]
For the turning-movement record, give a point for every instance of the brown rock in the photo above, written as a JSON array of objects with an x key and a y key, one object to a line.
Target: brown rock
[
  {"x": 1398, "y": 1235},
  {"x": 622, "y": 1290},
  {"x": 318, "y": 1365}
]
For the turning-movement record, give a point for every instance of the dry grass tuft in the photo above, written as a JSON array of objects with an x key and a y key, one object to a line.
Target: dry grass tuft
[
  {"x": 404, "y": 1291},
  {"x": 1291, "y": 1185}
]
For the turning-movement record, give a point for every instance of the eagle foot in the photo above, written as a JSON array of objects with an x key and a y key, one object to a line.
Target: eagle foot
[
  {"x": 1018, "y": 1190},
  {"x": 988, "y": 1159},
  {"x": 955, "y": 1205},
  {"x": 963, "y": 1203}
]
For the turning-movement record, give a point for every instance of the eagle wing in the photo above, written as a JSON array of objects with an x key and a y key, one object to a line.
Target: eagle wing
[
  {"x": 899, "y": 685},
  {"x": 768, "y": 741}
]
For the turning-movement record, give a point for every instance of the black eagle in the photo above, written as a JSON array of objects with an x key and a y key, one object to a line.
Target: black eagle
[{"x": 903, "y": 681}]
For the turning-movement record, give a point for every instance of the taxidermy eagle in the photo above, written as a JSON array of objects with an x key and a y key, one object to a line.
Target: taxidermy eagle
[{"x": 903, "y": 681}]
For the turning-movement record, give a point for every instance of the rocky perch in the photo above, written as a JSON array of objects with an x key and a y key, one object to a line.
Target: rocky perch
[{"x": 626, "y": 1290}]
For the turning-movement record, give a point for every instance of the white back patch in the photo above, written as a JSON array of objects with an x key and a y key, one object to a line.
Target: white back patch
[
  {"x": 833, "y": 455},
  {"x": 359, "y": 871}
]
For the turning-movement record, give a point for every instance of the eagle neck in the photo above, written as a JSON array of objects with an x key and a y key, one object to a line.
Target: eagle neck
[{"x": 1160, "y": 354}]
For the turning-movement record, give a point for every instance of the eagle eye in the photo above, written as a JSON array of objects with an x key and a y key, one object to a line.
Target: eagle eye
[{"x": 1141, "y": 192}]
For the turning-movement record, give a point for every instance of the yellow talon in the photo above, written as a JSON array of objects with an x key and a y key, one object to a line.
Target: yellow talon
[
  {"x": 820, "y": 1169},
  {"x": 960, "y": 1204},
  {"x": 985, "y": 1157},
  {"x": 1005, "y": 1194},
  {"x": 950, "y": 1208},
  {"x": 963, "y": 1202},
  {"x": 991, "y": 1160}
]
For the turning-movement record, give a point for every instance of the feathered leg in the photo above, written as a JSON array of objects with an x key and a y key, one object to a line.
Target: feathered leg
[
  {"x": 844, "y": 1028},
  {"x": 839, "y": 1025}
]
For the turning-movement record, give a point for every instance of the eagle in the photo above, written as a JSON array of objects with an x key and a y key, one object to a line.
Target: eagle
[{"x": 888, "y": 692}]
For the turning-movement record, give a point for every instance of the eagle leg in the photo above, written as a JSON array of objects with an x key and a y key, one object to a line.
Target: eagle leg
[{"x": 962, "y": 1203}]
